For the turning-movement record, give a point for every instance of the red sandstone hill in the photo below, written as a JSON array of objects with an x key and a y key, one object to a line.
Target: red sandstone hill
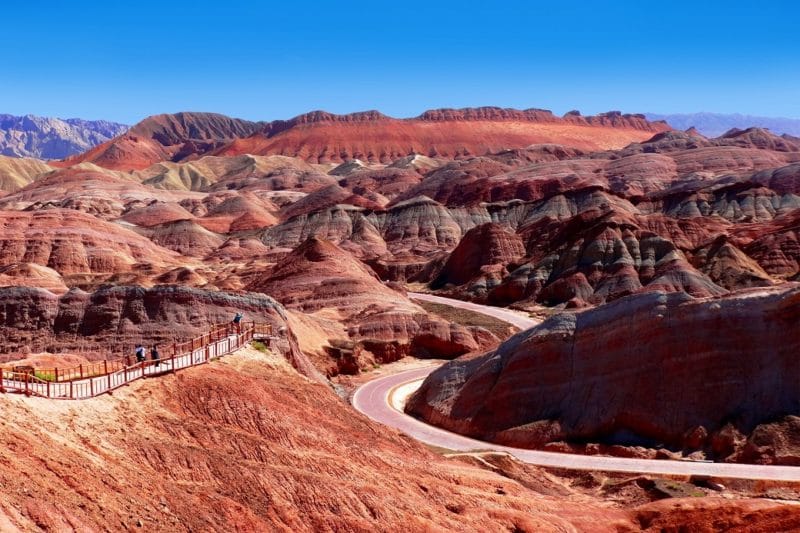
[
  {"x": 371, "y": 136},
  {"x": 165, "y": 138},
  {"x": 649, "y": 369},
  {"x": 322, "y": 280},
  {"x": 544, "y": 223},
  {"x": 600, "y": 256},
  {"x": 71, "y": 242},
  {"x": 480, "y": 260},
  {"x": 449, "y": 133},
  {"x": 96, "y": 191}
]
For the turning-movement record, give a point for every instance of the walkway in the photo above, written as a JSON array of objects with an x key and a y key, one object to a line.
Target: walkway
[{"x": 218, "y": 342}]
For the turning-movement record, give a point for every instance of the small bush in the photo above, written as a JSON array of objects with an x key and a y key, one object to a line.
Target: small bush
[
  {"x": 44, "y": 376},
  {"x": 260, "y": 346}
]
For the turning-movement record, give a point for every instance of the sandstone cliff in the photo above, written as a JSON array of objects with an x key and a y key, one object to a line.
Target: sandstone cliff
[{"x": 652, "y": 369}]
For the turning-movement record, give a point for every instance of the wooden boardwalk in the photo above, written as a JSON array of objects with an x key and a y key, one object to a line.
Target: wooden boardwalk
[{"x": 105, "y": 376}]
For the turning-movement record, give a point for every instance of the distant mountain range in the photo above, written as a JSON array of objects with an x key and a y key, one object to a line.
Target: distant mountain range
[
  {"x": 53, "y": 138},
  {"x": 715, "y": 124}
]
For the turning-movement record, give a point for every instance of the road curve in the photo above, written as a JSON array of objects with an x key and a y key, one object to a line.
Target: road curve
[{"x": 376, "y": 397}]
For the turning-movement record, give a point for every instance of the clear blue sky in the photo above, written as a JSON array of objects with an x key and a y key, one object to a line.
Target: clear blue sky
[{"x": 261, "y": 60}]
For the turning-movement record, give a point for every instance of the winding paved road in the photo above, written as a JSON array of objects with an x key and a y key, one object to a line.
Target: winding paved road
[{"x": 382, "y": 400}]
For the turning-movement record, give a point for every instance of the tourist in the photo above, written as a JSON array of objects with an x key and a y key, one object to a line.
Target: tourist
[
  {"x": 139, "y": 353},
  {"x": 154, "y": 354},
  {"x": 237, "y": 321}
]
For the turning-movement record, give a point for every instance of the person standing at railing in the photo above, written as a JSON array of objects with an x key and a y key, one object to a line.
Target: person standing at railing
[
  {"x": 237, "y": 322},
  {"x": 154, "y": 355},
  {"x": 139, "y": 353}
]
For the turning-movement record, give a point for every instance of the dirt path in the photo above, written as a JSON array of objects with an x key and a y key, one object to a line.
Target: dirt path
[{"x": 515, "y": 318}]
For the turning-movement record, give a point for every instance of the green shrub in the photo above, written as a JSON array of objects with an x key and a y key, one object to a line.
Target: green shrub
[
  {"x": 260, "y": 346},
  {"x": 44, "y": 376}
]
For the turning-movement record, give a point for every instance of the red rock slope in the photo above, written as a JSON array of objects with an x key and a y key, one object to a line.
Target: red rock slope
[{"x": 246, "y": 444}]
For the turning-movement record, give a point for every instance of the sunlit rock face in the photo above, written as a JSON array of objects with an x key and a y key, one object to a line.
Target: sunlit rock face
[{"x": 654, "y": 369}]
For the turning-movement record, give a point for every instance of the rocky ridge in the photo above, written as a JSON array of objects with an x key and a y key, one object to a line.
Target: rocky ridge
[{"x": 368, "y": 135}]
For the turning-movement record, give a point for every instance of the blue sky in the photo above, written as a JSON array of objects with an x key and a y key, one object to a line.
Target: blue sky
[{"x": 125, "y": 60}]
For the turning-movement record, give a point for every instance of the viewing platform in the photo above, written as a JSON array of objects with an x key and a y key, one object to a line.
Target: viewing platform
[{"x": 93, "y": 379}]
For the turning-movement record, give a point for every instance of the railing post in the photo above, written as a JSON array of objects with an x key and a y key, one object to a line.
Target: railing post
[
  {"x": 56, "y": 374},
  {"x": 105, "y": 366},
  {"x": 26, "y": 385},
  {"x": 91, "y": 387},
  {"x": 70, "y": 389},
  {"x": 81, "y": 369}
]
